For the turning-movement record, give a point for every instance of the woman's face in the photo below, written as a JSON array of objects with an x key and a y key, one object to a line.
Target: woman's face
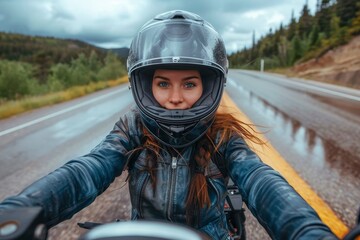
[{"x": 177, "y": 89}]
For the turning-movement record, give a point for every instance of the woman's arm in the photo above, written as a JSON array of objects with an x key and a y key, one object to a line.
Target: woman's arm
[
  {"x": 276, "y": 205},
  {"x": 75, "y": 185}
]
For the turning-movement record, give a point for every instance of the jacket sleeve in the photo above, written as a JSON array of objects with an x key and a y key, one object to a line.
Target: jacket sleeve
[
  {"x": 76, "y": 184},
  {"x": 277, "y": 206}
]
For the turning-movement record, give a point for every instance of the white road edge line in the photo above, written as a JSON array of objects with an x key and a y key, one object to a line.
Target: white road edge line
[
  {"x": 324, "y": 90},
  {"x": 301, "y": 83},
  {"x": 10, "y": 130}
]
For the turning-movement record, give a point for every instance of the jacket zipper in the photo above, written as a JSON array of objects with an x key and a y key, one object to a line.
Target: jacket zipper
[
  {"x": 141, "y": 193},
  {"x": 172, "y": 181},
  {"x": 218, "y": 195}
]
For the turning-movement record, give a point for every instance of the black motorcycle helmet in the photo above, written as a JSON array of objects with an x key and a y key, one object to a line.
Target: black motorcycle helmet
[{"x": 177, "y": 40}]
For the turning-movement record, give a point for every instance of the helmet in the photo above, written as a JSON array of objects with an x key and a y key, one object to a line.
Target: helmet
[{"x": 177, "y": 40}]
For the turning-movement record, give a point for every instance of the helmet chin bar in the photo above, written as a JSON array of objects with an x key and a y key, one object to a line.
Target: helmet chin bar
[
  {"x": 177, "y": 136},
  {"x": 177, "y": 131},
  {"x": 176, "y": 114}
]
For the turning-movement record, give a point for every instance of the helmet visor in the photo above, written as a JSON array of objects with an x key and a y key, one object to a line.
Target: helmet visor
[{"x": 177, "y": 41}]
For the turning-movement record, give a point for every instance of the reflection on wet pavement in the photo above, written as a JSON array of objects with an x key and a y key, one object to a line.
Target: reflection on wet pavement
[
  {"x": 351, "y": 108},
  {"x": 318, "y": 153}
]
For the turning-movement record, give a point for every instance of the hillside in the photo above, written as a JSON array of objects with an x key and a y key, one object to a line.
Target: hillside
[
  {"x": 45, "y": 52},
  {"x": 121, "y": 52},
  {"x": 18, "y": 47},
  {"x": 339, "y": 66}
]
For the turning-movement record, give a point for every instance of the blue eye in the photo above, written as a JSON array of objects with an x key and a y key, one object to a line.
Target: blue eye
[
  {"x": 163, "y": 84},
  {"x": 190, "y": 85}
]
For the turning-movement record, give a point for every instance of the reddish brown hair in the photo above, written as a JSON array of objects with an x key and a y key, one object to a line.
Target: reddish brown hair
[{"x": 225, "y": 124}]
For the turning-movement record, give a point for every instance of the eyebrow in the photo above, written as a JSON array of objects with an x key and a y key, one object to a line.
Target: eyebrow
[{"x": 184, "y": 79}]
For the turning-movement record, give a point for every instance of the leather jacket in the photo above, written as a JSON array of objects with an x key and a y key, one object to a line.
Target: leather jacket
[{"x": 276, "y": 205}]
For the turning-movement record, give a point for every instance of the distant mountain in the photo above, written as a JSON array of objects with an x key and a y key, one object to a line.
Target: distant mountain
[
  {"x": 121, "y": 52},
  {"x": 44, "y": 52},
  {"x": 32, "y": 49},
  {"x": 19, "y": 47}
]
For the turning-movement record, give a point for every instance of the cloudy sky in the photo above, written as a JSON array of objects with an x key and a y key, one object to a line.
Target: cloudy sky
[{"x": 113, "y": 23}]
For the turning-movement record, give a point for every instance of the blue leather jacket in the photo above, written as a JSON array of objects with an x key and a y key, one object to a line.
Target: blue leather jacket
[{"x": 276, "y": 205}]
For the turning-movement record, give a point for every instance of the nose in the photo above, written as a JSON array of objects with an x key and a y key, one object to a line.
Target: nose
[{"x": 176, "y": 96}]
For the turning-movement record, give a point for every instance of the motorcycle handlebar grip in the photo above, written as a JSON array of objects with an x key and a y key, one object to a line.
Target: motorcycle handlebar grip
[{"x": 22, "y": 223}]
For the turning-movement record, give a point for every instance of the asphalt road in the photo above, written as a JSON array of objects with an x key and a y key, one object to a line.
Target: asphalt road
[{"x": 314, "y": 126}]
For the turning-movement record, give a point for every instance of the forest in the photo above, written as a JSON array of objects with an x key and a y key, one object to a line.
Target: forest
[
  {"x": 33, "y": 66},
  {"x": 334, "y": 23}
]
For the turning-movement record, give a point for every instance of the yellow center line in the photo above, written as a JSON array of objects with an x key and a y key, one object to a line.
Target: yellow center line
[{"x": 271, "y": 156}]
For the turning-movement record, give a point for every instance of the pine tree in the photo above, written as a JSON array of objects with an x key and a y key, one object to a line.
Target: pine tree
[
  {"x": 355, "y": 24},
  {"x": 336, "y": 33},
  {"x": 252, "y": 50},
  {"x": 297, "y": 49},
  {"x": 292, "y": 27},
  {"x": 305, "y": 22},
  {"x": 346, "y": 11},
  {"x": 324, "y": 17},
  {"x": 282, "y": 51},
  {"x": 314, "y": 37}
]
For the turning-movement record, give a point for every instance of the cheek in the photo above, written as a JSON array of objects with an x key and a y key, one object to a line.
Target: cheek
[
  {"x": 193, "y": 96},
  {"x": 160, "y": 96}
]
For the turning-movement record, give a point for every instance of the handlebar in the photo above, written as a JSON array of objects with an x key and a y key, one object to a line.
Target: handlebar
[
  {"x": 141, "y": 229},
  {"x": 22, "y": 223},
  {"x": 26, "y": 223}
]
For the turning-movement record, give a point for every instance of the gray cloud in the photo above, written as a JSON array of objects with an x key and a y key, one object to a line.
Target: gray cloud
[{"x": 113, "y": 23}]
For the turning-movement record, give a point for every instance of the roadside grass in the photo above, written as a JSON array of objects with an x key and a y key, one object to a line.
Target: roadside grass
[
  {"x": 11, "y": 108},
  {"x": 284, "y": 71}
]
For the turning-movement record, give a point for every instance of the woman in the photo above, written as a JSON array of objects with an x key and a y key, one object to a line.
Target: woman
[{"x": 172, "y": 143}]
